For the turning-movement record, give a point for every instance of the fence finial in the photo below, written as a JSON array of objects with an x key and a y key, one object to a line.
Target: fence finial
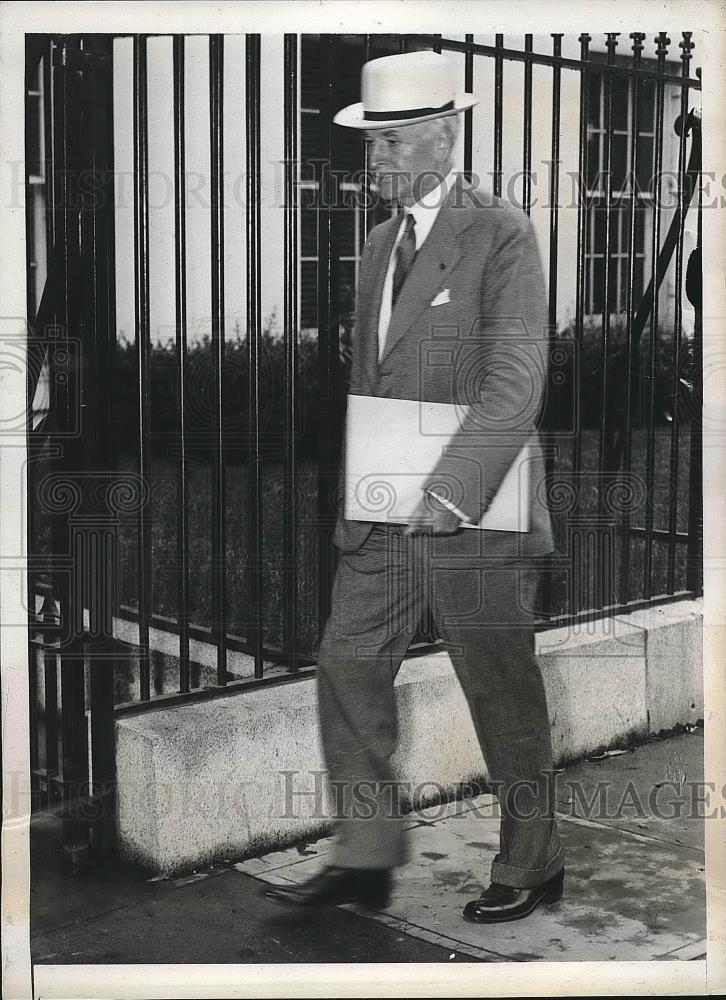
[
  {"x": 662, "y": 41},
  {"x": 638, "y": 37},
  {"x": 611, "y": 43},
  {"x": 686, "y": 47}
]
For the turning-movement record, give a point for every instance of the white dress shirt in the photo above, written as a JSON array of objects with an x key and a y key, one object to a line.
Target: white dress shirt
[{"x": 424, "y": 213}]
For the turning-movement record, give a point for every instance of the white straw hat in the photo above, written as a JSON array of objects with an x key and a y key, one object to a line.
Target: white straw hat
[{"x": 405, "y": 89}]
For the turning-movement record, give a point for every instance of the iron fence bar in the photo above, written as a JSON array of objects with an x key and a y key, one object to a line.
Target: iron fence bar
[
  {"x": 632, "y": 363},
  {"x": 30, "y": 383},
  {"x": 527, "y": 137},
  {"x": 662, "y": 42},
  {"x": 498, "y": 99},
  {"x": 98, "y": 238},
  {"x": 469, "y": 113},
  {"x": 46, "y": 642},
  {"x": 74, "y": 730},
  {"x": 99, "y": 274},
  {"x": 578, "y": 585},
  {"x": 686, "y": 46},
  {"x": 554, "y": 195},
  {"x": 51, "y": 291},
  {"x": 142, "y": 334},
  {"x": 538, "y": 58},
  {"x": 582, "y": 235},
  {"x": 180, "y": 290},
  {"x": 48, "y": 166},
  {"x": 612, "y": 41},
  {"x": 41, "y": 314},
  {"x": 50, "y": 687},
  {"x": 33, "y": 54},
  {"x": 254, "y": 342},
  {"x": 695, "y": 470},
  {"x": 328, "y": 329},
  {"x": 33, "y": 703},
  {"x": 45, "y": 314},
  {"x": 216, "y": 167},
  {"x": 290, "y": 324}
]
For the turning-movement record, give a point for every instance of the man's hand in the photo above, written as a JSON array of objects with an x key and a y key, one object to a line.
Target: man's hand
[{"x": 432, "y": 516}]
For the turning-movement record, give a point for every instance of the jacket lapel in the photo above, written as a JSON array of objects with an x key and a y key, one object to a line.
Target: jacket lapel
[
  {"x": 370, "y": 304},
  {"x": 438, "y": 256}
]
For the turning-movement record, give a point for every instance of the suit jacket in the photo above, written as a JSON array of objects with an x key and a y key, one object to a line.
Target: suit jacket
[{"x": 485, "y": 349}]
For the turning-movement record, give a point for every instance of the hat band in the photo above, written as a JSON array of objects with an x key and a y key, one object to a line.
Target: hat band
[{"x": 382, "y": 116}]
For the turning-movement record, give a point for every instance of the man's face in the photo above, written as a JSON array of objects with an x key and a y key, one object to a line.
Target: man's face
[{"x": 406, "y": 160}]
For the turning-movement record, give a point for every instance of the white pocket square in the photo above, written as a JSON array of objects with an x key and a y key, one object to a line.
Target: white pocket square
[{"x": 441, "y": 298}]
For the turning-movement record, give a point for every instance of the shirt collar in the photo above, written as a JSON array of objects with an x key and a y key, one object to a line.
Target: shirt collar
[{"x": 425, "y": 210}]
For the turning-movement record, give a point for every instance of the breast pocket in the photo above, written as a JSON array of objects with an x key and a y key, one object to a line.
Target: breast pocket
[{"x": 452, "y": 319}]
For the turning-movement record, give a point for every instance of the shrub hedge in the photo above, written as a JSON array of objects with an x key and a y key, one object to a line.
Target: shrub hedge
[{"x": 573, "y": 373}]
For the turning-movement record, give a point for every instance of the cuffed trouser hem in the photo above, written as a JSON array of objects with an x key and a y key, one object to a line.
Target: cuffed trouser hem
[{"x": 527, "y": 878}]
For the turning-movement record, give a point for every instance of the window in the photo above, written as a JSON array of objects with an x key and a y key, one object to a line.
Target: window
[
  {"x": 350, "y": 221},
  {"x": 350, "y": 232},
  {"x": 621, "y": 149}
]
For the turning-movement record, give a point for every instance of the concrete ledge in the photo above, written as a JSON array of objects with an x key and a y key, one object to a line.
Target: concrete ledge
[{"x": 244, "y": 774}]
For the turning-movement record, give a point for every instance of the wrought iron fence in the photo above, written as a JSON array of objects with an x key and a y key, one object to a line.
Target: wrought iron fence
[{"x": 101, "y": 622}]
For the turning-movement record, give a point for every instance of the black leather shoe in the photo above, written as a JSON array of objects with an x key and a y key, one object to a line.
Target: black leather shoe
[
  {"x": 369, "y": 887},
  {"x": 503, "y": 902}
]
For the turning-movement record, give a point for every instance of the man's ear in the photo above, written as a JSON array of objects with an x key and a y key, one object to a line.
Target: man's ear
[{"x": 447, "y": 136}]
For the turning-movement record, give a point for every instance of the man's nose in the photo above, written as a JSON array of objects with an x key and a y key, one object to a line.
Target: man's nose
[{"x": 377, "y": 151}]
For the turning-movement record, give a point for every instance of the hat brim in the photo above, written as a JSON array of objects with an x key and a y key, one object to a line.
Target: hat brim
[{"x": 352, "y": 116}]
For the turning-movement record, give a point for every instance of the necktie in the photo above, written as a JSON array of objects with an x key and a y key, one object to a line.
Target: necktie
[{"x": 405, "y": 253}]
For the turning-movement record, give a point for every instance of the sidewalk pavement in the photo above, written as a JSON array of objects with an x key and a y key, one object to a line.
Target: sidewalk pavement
[{"x": 634, "y": 886}]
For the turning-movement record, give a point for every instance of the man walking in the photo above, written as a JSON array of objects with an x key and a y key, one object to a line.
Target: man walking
[{"x": 451, "y": 309}]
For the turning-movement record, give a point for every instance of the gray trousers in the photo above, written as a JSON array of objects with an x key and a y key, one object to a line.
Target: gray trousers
[{"x": 483, "y": 610}]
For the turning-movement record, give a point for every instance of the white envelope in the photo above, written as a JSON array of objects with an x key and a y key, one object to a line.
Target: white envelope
[{"x": 392, "y": 445}]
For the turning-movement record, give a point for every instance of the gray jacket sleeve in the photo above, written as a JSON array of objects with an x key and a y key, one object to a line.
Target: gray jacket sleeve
[{"x": 500, "y": 373}]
